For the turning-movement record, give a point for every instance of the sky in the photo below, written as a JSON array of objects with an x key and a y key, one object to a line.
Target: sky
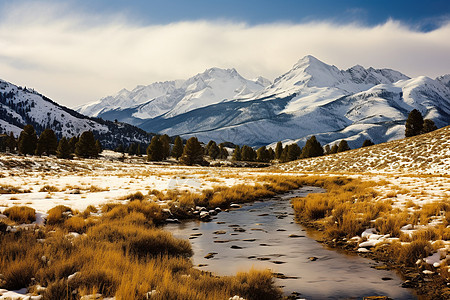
[{"x": 77, "y": 52}]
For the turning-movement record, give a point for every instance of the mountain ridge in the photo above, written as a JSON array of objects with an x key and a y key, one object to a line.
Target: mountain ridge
[
  {"x": 313, "y": 98},
  {"x": 21, "y": 106}
]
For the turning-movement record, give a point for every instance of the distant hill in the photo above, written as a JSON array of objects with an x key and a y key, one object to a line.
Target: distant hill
[
  {"x": 21, "y": 106},
  {"x": 426, "y": 154}
]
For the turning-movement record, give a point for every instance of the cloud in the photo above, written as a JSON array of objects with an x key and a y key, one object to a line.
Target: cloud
[{"x": 75, "y": 57}]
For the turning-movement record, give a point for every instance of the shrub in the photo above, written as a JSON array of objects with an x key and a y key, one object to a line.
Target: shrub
[
  {"x": 409, "y": 254},
  {"x": 76, "y": 224},
  {"x": 18, "y": 273},
  {"x": 58, "y": 214},
  {"x": 49, "y": 188},
  {"x": 257, "y": 285},
  {"x": 21, "y": 214}
]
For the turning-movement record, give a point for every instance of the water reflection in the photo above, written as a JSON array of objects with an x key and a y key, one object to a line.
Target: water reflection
[{"x": 264, "y": 235}]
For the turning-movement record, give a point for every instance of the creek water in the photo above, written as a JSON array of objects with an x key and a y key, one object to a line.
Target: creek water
[{"x": 264, "y": 235}]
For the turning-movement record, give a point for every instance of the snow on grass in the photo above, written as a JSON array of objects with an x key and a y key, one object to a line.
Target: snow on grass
[{"x": 80, "y": 183}]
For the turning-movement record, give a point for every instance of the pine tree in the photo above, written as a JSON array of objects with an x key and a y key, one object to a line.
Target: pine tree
[
  {"x": 367, "y": 143},
  {"x": 27, "y": 140},
  {"x": 262, "y": 154},
  {"x": 414, "y": 123},
  {"x": 47, "y": 143},
  {"x": 72, "y": 142},
  {"x": 294, "y": 151},
  {"x": 236, "y": 153},
  {"x": 120, "y": 148},
  {"x": 177, "y": 149},
  {"x": 428, "y": 126},
  {"x": 278, "y": 150},
  {"x": 327, "y": 150},
  {"x": 312, "y": 148},
  {"x": 192, "y": 153},
  {"x": 11, "y": 143},
  {"x": 213, "y": 150},
  {"x": 165, "y": 144},
  {"x": 63, "y": 150},
  {"x": 271, "y": 154},
  {"x": 98, "y": 147},
  {"x": 85, "y": 147},
  {"x": 343, "y": 146},
  {"x": 334, "y": 149},
  {"x": 132, "y": 149},
  {"x": 155, "y": 150},
  {"x": 138, "y": 150},
  {"x": 223, "y": 152},
  {"x": 284, "y": 154},
  {"x": 248, "y": 153}
]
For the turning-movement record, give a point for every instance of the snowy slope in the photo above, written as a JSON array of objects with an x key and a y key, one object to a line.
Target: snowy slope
[
  {"x": 20, "y": 106},
  {"x": 313, "y": 98},
  {"x": 172, "y": 98}
]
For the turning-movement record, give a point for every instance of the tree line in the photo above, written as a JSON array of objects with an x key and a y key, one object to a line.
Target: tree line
[
  {"x": 190, "y": 152},
  {"x": 29, "y": 143}
]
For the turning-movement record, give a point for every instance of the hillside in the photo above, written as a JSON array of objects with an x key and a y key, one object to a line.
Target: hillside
[
  {"x": 313, "y": 98},
  {"x": 425, "y": 154},
  {"x": 21, "y": 106}
]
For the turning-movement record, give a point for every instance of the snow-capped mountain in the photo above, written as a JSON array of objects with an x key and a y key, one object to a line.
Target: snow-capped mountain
[
  {"x": 20, "y": 106},
  {"x": 172, "y": 98},
  {"x": 313, "y": 98}
]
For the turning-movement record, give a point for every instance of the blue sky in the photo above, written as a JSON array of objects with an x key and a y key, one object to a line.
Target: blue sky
[
  {"x": 424, "y": 15},
  {"x": 79, "y": 51}
]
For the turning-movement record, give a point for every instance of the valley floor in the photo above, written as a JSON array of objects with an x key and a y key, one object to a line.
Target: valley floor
[{"x": 419, "y": 202}]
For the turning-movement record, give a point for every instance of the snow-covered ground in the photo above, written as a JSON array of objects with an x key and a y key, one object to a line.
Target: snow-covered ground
[{"x": 80, "y": 183}]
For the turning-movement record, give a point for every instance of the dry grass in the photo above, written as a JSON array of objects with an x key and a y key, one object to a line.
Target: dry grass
[
  {"x": 122, "y": 255},
  {"x": 58, "y": 214},
  {"x": 21, "y": 214},
  {"x": 9, "y": 189},
  {"x": 49, "y": 189}
]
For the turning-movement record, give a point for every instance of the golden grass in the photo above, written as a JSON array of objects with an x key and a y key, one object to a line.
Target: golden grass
[
  {"x": 58, "y": 214},
  {"x": 21, "y": 214}
]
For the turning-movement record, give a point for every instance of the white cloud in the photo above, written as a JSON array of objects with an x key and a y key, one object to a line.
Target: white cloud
[{"x": 78, "y": 57}]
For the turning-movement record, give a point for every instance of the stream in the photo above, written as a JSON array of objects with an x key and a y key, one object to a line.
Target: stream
[{"x": 264, "y": 235}]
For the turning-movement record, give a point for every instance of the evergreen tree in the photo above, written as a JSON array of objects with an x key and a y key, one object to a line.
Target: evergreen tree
[
  {"x": 72, "y": 142},
  {"x": 312, "y": 148},
  {"x": 367, "y": 143},
  {"x": 47, "y": 143},
  {"x": 155, "y": 150},
  {"x": 11, "y": 143},
  {"x": 63, "y": 150},
  {"x": 414, "y": 123},
  {"x": 138, "y": 149},
  {"x": 85, "y": 147},
  {"x": 120, "y": 149},
  {"x": 428, "y": 126},
  {"x": 284, "y": 154},
  {"x": 177, "y": 149},
  {"x": 192, "y": 153},
  {"x": 278, "y": 150},
  {"x": 236, "y": 153},
  {"x": 223, "y": 152},
  {"x": 294, "y": 151},
  {"x": 132, "y": 149},
  {"x": 27, "y": 140},
  {"x": 343, "y": 146},
  {"x": 271, "y": 154},
  {"x": 165, "y": 144},
  {"x": 98, "y": 147},
  {"x": 213, "y": 150},
  {"x": 334, "y": 149},
  {"x": 248, "y": 153},
  {"x": 262, "y": 154},
  {"x": 327, "y": 149}
]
